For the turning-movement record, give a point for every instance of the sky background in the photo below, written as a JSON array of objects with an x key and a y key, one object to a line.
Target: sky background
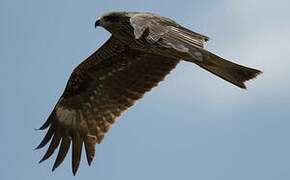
[{"x": 193, "y": 126}]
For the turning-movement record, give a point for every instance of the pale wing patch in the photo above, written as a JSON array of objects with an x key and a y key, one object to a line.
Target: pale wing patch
[
  {"x": 186, "y": 37},
  {"x": 65, "y": 116},
  {"x": 141, "y": 22},
  {"x": 139, "y": 26},
  {"x": 173, "y": 44},
  {"x": 164, "y": 33}
]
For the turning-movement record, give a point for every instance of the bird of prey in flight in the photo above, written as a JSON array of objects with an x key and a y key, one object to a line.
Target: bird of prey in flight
[{"x": 141, "y": 51}]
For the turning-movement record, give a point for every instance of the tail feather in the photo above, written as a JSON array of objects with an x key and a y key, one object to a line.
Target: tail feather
[{"x": 229, "y": 71}]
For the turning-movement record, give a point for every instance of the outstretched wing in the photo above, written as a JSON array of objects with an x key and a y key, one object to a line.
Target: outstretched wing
[
  {"x": 168, "y": 33},
  {"x": 98, "y": 91}
]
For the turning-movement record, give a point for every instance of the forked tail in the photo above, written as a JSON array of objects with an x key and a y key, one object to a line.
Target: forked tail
[{"x": 229, "y": 71}]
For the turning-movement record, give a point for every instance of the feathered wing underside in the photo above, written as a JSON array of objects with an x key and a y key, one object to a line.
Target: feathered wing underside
[
  {"x": 168, "y": 34},
  {"x": 98, "y": 91}
]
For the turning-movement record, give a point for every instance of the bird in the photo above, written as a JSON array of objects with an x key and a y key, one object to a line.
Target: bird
[{"x": 143, "y": 48}]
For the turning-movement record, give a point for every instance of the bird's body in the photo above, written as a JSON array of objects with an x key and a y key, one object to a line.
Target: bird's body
[{"x": 142, "y": 50}]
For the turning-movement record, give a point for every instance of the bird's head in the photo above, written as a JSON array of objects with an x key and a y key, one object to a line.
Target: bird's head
[{"x": 113, "y": 21}]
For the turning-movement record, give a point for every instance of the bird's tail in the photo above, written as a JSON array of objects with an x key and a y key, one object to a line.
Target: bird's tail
[{"x": 229, "y": 71}]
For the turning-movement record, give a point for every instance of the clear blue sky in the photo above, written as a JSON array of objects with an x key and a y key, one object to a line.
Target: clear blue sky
[{"x": 193, "y": 126}]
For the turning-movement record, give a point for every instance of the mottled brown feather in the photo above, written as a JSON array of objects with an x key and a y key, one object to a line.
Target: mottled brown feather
[{"x": 98, "y": 91}]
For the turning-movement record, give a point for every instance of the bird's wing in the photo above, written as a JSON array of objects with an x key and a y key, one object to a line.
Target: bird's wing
[
  {"x": 98, "y": 91},
  {"x": 167, "y": 33}
]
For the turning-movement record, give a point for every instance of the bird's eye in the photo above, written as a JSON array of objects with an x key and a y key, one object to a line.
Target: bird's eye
[{"x": 112, "y": 18}]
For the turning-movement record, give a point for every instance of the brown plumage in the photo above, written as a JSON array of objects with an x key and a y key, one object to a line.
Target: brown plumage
[{"x": 142, "y": 50}]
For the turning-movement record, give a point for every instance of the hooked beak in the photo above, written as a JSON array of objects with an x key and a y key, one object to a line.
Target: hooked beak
[{"x": 97, "y": 23}]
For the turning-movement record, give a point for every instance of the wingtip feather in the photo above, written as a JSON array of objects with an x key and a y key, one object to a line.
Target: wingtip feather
[
  {"x": 48, "y": 121},
  {"x": 64, "y": 147},
  {"x": 47, "y": 137},
  {"x": 76, "y": 152},
  {"x": 90, "y": 142},
  {"x": 53, "y": 145}
]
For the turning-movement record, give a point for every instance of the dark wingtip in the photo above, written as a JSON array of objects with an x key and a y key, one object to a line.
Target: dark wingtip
[
  {"x": 75, "y": 168},
  {"x": 42, "y": 159},
  {"x": 97, "y": 23},
  {"x": 41, "y": 145},
  {"x": 64, "y": 147},
  {"x": 53, "y": 168},
  {"x": 47, "y": 137},
  {"x": 76, "y": 152},
  {"x": 90, "y": 142},
  {"x": 48, "y": 121},
  {"x": 74, "y": 173},
  {"x": 53, "y": 145},
  {"x": 90, "y": 160}
]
